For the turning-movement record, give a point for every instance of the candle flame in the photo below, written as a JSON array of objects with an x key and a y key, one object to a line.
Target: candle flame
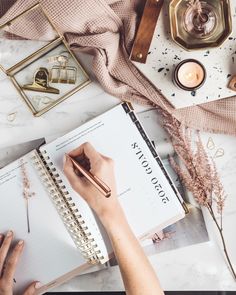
[{"x": 189, "y": 76}]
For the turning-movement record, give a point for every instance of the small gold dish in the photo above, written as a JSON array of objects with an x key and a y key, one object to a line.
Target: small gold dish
[{"x": 192, "y": 31}]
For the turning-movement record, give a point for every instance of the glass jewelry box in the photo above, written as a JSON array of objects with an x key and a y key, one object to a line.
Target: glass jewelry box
[{"x": 44, "y": 71}]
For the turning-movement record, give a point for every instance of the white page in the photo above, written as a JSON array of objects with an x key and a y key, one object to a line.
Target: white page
[
  {"x": 113, "y": 134},
  {"x": 49, "y": 250}
]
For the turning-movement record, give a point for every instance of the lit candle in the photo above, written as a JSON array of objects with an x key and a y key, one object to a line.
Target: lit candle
[{"x": 189, "y": 75}]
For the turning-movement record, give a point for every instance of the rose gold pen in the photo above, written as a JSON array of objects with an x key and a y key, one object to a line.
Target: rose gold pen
[{"x": 98, "y": 183}]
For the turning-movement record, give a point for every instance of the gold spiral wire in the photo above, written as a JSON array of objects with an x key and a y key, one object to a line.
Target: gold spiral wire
[{"x": 66, "y": 208}]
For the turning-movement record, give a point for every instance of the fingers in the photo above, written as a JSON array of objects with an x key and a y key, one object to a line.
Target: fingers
[
  {"x": 32, "y": 288},
  {"x": 108, "y": 160},
  {"x": 87, "y": 149},
  {"x": 11, "y": 263},
  {"x": 97, "y": 163},
  {"x": 1, "y": 239},
  {"x": 76, "y": 182},
  {"x": 5, "y": 246}
]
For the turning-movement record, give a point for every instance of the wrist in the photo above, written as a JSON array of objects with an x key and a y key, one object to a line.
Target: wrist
[{"x": 112, "y": 217}]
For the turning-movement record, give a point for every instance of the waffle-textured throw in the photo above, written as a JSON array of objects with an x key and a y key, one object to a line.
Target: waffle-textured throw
[{"x": 106, "y": 29}]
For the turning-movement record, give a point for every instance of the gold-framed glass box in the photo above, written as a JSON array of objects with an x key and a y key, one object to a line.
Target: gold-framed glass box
[{"x": 44, "y": 71}]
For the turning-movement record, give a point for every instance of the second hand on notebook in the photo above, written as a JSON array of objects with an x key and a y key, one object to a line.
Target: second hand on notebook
[{"x": 100, "y": 185}]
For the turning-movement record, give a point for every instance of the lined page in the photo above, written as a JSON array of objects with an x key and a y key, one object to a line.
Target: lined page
[
  {"x": 49, "y": 250},
  {"x": 141, "y": 192}
]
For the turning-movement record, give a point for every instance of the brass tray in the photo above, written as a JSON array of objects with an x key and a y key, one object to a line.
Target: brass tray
[
  {"x": 29, "y": 64},
  {"x": 184, "y": 39}
]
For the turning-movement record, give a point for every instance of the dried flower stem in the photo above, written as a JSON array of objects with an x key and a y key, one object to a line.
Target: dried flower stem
[
  {"x": 27, "y": 214},
  {"x": 27, "y": 194},
  {"x": 220, "y": 229},
  {"x": 199, "y": 174}
]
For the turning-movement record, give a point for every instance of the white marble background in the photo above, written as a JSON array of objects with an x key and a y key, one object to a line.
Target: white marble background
[{"x": 199, "y": 267}]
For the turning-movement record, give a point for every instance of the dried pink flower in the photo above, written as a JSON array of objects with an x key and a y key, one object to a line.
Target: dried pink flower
[
  {"x": 27, "y": 194},
  {"x": 199, "y": 174},
  {"x": 157, "y": 239}
]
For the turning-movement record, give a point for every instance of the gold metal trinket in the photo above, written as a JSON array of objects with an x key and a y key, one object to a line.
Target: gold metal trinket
[
  {"x": 41, "y": 84},
  {"x": 62, "y": 73}
]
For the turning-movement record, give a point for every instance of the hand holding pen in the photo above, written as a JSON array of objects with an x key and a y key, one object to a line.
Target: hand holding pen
[
  {"x": 93, "y": 179},
  {"x": 94, "y": 182}
]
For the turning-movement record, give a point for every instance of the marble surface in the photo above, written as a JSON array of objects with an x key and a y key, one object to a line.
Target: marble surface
[
  {"x": 17, "y": 124},
  {"x": 198, "y": 267},
  {"x": 165, "y": 54}
]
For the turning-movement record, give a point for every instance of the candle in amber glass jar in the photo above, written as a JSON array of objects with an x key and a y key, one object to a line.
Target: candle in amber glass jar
[{"x": 189, "y": 75}]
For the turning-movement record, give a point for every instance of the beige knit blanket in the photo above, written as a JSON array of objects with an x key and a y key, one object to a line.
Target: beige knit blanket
[{"x": 106, "y": 29}]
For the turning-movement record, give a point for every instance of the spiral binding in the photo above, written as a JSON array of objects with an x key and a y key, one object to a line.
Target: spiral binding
[{"x": 66, "y": 208}]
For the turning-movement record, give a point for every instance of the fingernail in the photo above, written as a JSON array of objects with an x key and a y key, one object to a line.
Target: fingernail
[
  {"x": 9, "y": 234},
  {"x": 20, "y": 243},
  {"x": 37, "y": 285}
]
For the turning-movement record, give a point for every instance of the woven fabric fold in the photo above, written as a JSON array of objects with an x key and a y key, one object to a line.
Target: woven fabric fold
[{"x": 106, "y": 28}]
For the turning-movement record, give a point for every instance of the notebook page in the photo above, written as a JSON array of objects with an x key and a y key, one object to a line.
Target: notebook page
[
  {"x": 49, "y": 250},
  {"x": 115, "y": 135}
]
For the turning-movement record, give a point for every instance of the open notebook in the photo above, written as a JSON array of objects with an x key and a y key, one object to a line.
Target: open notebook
[{"x": 39, "y": 205}]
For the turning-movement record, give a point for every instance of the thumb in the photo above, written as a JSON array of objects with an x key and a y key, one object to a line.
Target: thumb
[{"x": 32, "y": 288}]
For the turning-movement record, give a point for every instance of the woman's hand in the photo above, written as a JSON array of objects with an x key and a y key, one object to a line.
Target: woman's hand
[
  {"x": 103, "y": 168},
  {"x": 137, "y": 273},
  {"x": 8, "y": 264}
]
